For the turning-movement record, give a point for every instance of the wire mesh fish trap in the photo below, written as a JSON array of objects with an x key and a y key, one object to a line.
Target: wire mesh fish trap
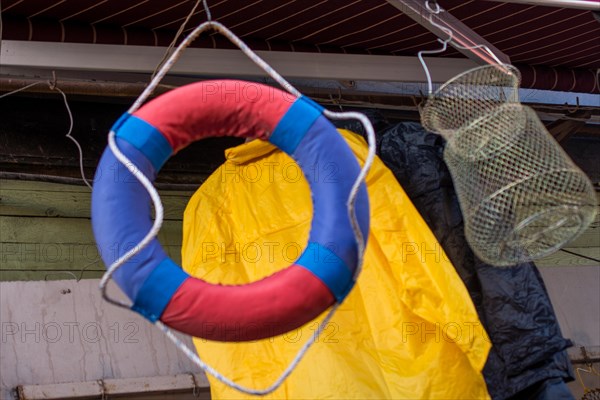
[
  {"x": 521, "y": 196},
  {"x": 593, "y": 394},
  {"x": 469, "y": 96}
]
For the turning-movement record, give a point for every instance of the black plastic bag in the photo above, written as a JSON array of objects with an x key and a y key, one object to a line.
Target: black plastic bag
[{"x": 528, "y": 353}]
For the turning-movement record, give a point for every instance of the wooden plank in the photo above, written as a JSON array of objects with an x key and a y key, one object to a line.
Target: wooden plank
[
  {"x": 560, "y": 258},
  {"x": 45, "y": 231},
  {"x": 589, "y": 238},
  {"x": 59, "y": 257},
  {"x": 67, "y": 230},
  {"x": 20, "y": 261},
  {"x": 130, "y": 387},
  {"x": 33, "y": 275},
  {"x": 43, "y": 199},
  {"x": 46, "y": 150},
  {"x": 13, "y": 184},
  {"x": 38, "y": 243},
  {"x": 162, "y": 384},
  {"x": 79, "y": 390}
]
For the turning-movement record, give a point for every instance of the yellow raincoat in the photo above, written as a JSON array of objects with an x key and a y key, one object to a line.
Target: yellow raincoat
[{"x": 408, "y": 329}]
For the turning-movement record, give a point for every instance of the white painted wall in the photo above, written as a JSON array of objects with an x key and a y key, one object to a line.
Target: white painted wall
[
  {"x": 575, "y": 295},
  {"x": 62, "y": 331}
]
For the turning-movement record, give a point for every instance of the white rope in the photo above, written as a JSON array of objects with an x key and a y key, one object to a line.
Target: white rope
[
  {"x": 220, "y": 377},
  {"x": 360, "y": 240},
  {"x": 159, "y": 208},
  {"x": 188, "y": 40}
]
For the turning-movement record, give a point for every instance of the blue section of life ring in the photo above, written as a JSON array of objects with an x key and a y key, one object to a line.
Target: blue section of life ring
[{"x": 121, "y": 212}]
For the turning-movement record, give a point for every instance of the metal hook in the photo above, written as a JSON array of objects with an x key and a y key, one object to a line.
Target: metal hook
[
  {"x": 573, "y": 110},
  {"x": 102, "y": 389},
  {"x": 195, "y": 390},
  {"x": 338, "y": 100},
  {"x": 437, "y": 51},
  {"x": 77, "y": 278},
  {"x": 450, "y": 34},
  {"x": 418, "y": 102},
  {"x": 437, "y": 7},
  {"x": 445, "y": 43},
  {"x": 52, "y": 83}
]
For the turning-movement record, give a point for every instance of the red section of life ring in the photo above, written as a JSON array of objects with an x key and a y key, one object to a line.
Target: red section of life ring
[
  {"x": 272, "y": 306},
  {"x": 216, "y": 108}
]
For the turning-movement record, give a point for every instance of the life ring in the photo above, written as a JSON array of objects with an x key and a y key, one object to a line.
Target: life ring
[{"x": 158, "y": 288}]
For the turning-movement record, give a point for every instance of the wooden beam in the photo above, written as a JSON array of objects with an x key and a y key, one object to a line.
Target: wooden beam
[
  {"x": 43, "y": 199},
  {"x": 45, "y": 231},
  {"x": 47, "y": 151},
  {"x": 565, "y": 127},
  {"x": 132, "y": 388},
  {"x": 226, "y": 63}
]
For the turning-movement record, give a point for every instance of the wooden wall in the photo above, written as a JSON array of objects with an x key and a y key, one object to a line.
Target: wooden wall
[{"x": 45, "y": 232}]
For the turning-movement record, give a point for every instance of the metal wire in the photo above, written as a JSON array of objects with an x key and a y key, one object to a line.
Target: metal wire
[
  {"x": 68, "y": 135},
  {"x": 469, "y": 96},
  {"x": 21, "y": 89},
  {"x": 521, "y": 196},
  {"x": 581, "y": 255},
  {"x": 445, "y": 42},
  {"x": 207, "y": 10},
  {"x": 159, "y": 208},
  {"x": 52, "y": 85}
]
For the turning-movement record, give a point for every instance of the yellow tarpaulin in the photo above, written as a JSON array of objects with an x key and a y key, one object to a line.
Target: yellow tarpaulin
[{"x": 408, "y": 329}]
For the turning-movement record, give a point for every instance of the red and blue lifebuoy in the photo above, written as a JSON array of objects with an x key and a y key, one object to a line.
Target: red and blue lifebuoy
[{"x": 158, "y": 288}]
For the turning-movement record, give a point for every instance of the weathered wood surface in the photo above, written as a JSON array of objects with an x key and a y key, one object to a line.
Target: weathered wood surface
[
  {"x": 35, "y": 142},
  {"x": 43, "y": 199},
  {"x": 561, "y": 258},
  {"x": 45, "y": 233}
]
